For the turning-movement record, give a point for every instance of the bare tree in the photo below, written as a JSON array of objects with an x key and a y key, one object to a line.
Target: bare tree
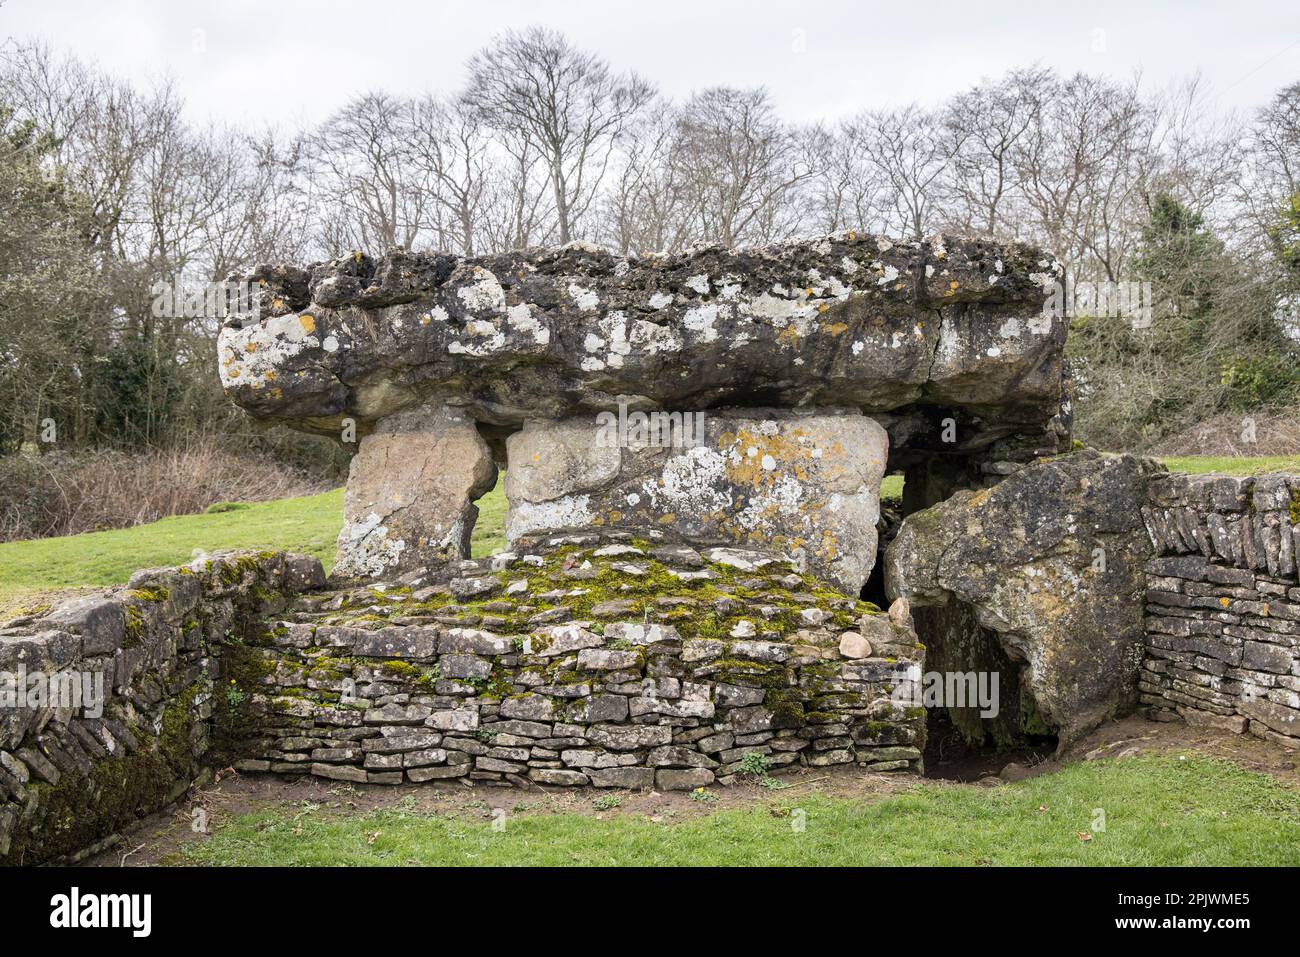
[
  {"x": 983, "y": 127},
  {"x": 364, "y": 167},
  {"x": 847, "y": 191},
  {"x": 910, "y": 150},
  {"x": 740, "y": 165},
  {"x": 567, "y": 105},
  {"x": 648, "y": 207},
  {"x": 457, "y": 156}
]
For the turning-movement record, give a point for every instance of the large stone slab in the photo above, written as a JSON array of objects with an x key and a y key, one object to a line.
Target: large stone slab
[
  {"x": 1051, "y": 560},
  {"x": 804, "y": 483},
  {"x": 410, "y": 493},
  {"x": 943, "y": 328}
]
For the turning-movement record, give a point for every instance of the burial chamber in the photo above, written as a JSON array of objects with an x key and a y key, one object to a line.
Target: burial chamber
[
  {"x": 809, "y": 370},
  {"x": 745, "y": 398}
]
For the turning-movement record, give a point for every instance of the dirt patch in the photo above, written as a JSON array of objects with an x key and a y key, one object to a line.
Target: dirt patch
[{"x": 161, "y": 838}]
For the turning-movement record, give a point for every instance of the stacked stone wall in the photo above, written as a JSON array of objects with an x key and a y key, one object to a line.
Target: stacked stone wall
[
  {"x": 1223, "y": 603},
  {"x": 112, "y": 705},
  {"x": 598, "y": 660},
  {"x": 612, "y": 665}
]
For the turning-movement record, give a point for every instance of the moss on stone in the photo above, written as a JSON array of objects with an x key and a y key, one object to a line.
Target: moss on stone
[{"x": 78, "y": 811}]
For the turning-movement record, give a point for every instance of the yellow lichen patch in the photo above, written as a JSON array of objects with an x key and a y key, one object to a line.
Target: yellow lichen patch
[
  {"x": 788, "y": 336},
  {"x": 668, "y": 519},
  {"x": 277, "y": 303},
  {"x": 953, "y": 285},
  {"x": 773, "y": 456},
  {"x": 837, "y": 328},
  {"x": 1224, "y": 602},
  {"x": 308, "y": 323},
  {"x": 250, "y": 346}
]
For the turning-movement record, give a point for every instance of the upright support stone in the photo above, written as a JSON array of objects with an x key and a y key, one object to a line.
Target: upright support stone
[
  {"x": 410, "y": 493},
  {"x": 1050, "y": 561},
  {"x": 805, "y": 483}
]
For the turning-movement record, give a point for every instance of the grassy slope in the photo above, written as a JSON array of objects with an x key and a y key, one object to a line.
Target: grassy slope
[
  {"x": 31, "y": 568},
  {"x": 1254, "y": 465},
  {"x": 1165, "y": 810},
  {"x": 106, "y": 558}
]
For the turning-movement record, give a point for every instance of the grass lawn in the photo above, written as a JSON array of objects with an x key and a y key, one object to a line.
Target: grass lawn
[
  {"x": 1160, "y": 810},
  {"x": 39, "y": 565},
  {"x": 31, "y": 569},
  {"x": 1232, "y": 465}
]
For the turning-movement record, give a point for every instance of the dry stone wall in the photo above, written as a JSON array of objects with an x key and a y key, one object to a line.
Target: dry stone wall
[
  {"x": 595, "y": 662},
  {"x": 1223, "y": 603},
  {"x": 112, "y": 705}
]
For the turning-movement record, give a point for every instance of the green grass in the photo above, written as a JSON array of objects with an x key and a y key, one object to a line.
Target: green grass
[
  {"x": 1232, "y": 465},
  {"x": 489, "y": 533},
  {"x": 307, "y": 524},
  {"x": 1162, "y": 810},
  {"x": 311, "y": 525}
]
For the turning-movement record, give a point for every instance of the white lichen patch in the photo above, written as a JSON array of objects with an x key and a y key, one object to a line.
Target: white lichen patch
[
  {"x": 699, "y": 284},
  {"x": 585, "y": 299},
  {"x": 692, "y": 483},
  {"x": 365, "y": 550},
  {"x": 652, "y": 338},
  {"x": 246, "y": 356},
  {"x": 483, "y": 294},
  {"x": 522, "y": 319},
  {"x": 614, "y": 326},
  {"x": 569, "y": 511},
  {"x": 489, "y": 339},
  {"x": 701, "y": 320}
]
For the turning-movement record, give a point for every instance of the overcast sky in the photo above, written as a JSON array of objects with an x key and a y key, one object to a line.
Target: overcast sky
[{"x": 292, "y": 63}]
